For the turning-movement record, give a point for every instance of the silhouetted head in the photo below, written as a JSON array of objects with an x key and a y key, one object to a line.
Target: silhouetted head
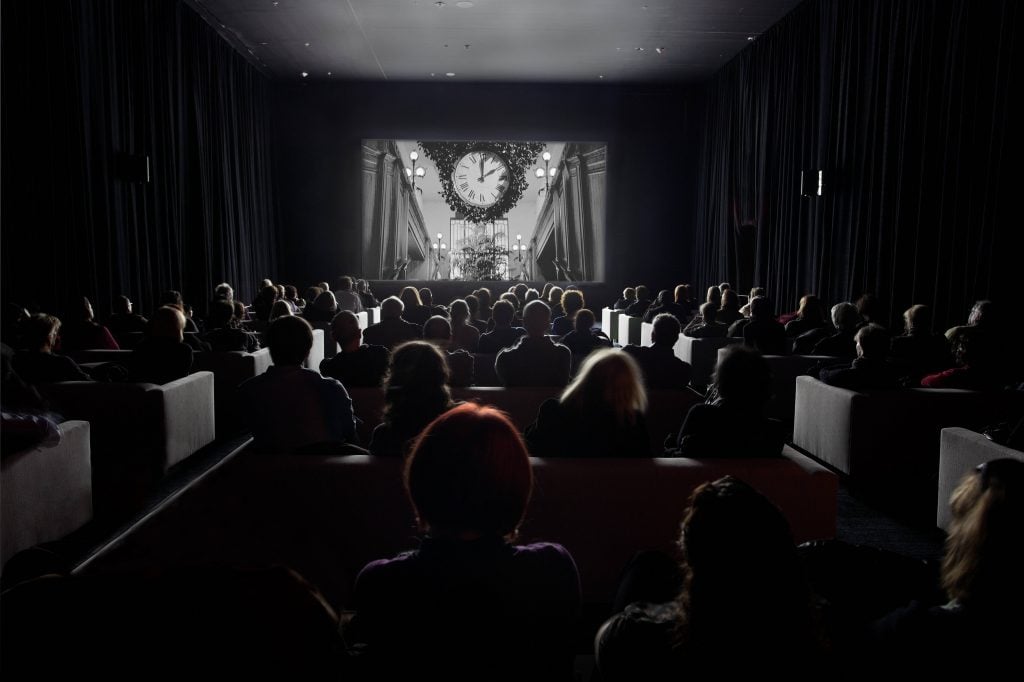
[
  {"x": 555, "y": 295},
  {"x": 572, "y": 302},
  {"x": 345, "y": 328},
  {"x": 40, "y": 332},
  {"x": 290, "y": 340},
  {"x": 439, "y": 329},
  {"x": 584, "y": 321},
  {"x": 629, "y": 293},
  {"x": 811, "y": 308},
  {"x": 281, "y": 308},
  {"x": 845, "y": 316},
  {"x": 345, "y": 283},
  {"x": 221, "y": 314},
  {"x": 503, "y": 312},
  {"x": 714, "y": 296},
  {"x": 730, "y": 301},
  {"x": 872, "y": 342},
  {"x": 168, "y": 322},
  {"x": 982, "y": 314},
  {"x": 391, "y": 308},
  {"x": 665, "y": 331},
  {"x": 708, "y": 312},
  {"x": 532, "y": 295},
  {"x": 681, "y": 293},
  {"x": 426, "y": 296},
  {"x": 609, "y": 380},
  {"x": 536, "y": 319},
  {"x": 743, "y": 378},
  {"x": 459, "y": 310},
  {"x": 122, "y": 305},
  {"x": 643, "y": 293},
  {"x": 917, "y": 319},
  {"x": 410, "y": 297},
  {"x": 326, "y": 303},
  {"x": 223, "y": 291},
  {"x": 761, "y": 308}
]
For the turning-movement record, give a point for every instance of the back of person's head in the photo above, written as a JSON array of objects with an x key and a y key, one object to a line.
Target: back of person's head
[
  {"x": 326, "y": 302},
  {"x": 664, "y": 296},
  {"x": 755, "y": 292},
  {"x": 484, "y": 294},
  {"x": 469, "y": 472},
  {"x": 503, "y": 312},
  {"x": 714, "y": 296},
  {"x": 410, "y": 297},
  {"x": 608, "y": 380},
  {"x": 426, "y": 296},
  {"x": 975, "y": 350},
  {"x": 572, "y": 302},
  {"x": 845, "y": 316},
  {"x": 345, "y": 283},
  {"x": 473, "y": 303},
  {"x": 220, "y": 314},
  {"x": 681, "y": 293},
  {"x": 40, "y": 330},
  {"x": 665, "y": 331},
  {"x": 555, "y": 295},
  {"x": 224, "y": 291},
  {"x": 761, "y": 308},
  {"x": 584, "y": 321},
  {"x": 872, "y": 341},
  {"x": 345, "y": 328},
  {"x": 291, "y": 292},
  {"x": 730, "y": 301},
  {"x": 280, "y": 308},
  {"x": 642, "y": 293},
  {"x": 811, "y": 308},
  {"x": 280, "y": 290},
  {"x": 532, "y": 295},
  {"x": 323, "y": 286},
  {"x": 416, "y": 385},
  {"x": 917, "y": 319},
  {"x": 741, "y": 569},
  {"x": 81, "y": 309},
  {"x": 268, "y": 295},
  {"x": 267, "y": 282},
  {"x": 982, "y": 314},
  {"x": 520, "y": 291},
  {"x": 536, "y": 318},
  {"x": 708, "y": 311},
  {"x": 168, "y": 322},
  {"x": 724, "y": 286},
  {"x": 545, "y": 291},
  {"x": 171, "y": 297},
  {"x": 459, "y": 310},
  {"x": 743, "y": 378},
  {"x": 509, "y": 297},
  {"x": 239, "y": 310},
  {"x": 629, "y": 293},
  {"x": 984, "y": 558},
  {"x": 391, "y": 308},
  {"x": 867, "y": 307},
  {"x": 312, "y": 293},
  {"x": 290, "y": 340},
  {"x": 437, "y": 328},
  {"x": 122, "y": 305}
]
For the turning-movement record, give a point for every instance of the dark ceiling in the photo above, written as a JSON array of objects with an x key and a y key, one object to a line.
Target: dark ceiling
[{"x": 492, "y": 40}]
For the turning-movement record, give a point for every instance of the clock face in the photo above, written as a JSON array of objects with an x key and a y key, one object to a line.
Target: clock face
[{"x": 480, "y": 178}]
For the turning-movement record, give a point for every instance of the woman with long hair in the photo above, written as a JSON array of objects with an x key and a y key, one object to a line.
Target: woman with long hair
[{"x": 599, "y": 414}]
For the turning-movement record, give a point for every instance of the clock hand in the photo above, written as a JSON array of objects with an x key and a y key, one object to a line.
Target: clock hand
[
  {"x": 481, "y": 168},
  {"x": 489, "y": 173}
]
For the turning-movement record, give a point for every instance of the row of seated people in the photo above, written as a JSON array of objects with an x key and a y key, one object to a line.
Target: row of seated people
[{"x": 471, "y": 602}]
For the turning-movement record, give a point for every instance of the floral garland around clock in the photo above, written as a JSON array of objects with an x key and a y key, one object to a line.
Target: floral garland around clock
[{"x": 517, "y": 155}]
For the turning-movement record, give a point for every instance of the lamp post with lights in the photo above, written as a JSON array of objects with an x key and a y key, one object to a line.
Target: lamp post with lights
[
  {"x": 546, "y": 172},
  {"x": 519, "y": 247},
  {"x": 438, "y": 247},
  {"x": 415, "y": 171}
]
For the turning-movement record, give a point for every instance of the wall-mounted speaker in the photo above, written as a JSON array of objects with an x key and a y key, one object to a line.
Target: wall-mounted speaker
[{"x": 812, "y": 183}]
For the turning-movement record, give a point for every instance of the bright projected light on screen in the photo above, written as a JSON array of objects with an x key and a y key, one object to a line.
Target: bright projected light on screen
[{"x": 483, "y": 210}]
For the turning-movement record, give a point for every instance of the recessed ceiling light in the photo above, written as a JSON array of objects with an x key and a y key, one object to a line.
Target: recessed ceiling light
[
  {"x": 304, "y": 74},
  {"x": 450, "y": 74},
  {"x": 465, "y": 4}
]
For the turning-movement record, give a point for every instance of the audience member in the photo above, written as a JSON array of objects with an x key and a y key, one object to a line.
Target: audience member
[
  {"x": 810, "y": 316},
  {"x": 124, "y": 320},
  {"x": 982, "y": 320},
  {"x": 665, "y": 304},
  {"x": 762, "y": 331},
  {"x": 484, "y": 294},
  {"x": 532, "y": 295},
  {"x": 504, "y": 335},
  {"x": 684, "y": 298},
  {"x": 164, "y": 356},
  {"x": 173, "y": 298},
  {"x": 311, "y": 295},
  {"x": 535, "y": 360},
  {"x": 26, "y": 423},
  {"x": 661, "y": 367},
  {"x": 714, "y": 296},
  {"x": 600, "y": 414},
  {"x": 223, "y": 292},
  {"x": 976, "y": 634},
  {"x": 846, "y": 319},
  {"x": 628, "y": 298},
  {"x": 978, "y": 366},
  {"x": 744, "y": 610},
  {"x": 264, "y": 302},
  {"x": 291, "y": 409},
  {"x": 464, "y": 334},
  {"x": 392, "y": 329},
  {"x": 356, "y": 364},
  {"x": 347, "y": 298},
  {"x": 473, "y": 303},
  {"x": 427, "y": 298},
  {"x": 323, "y": 308},
  {"x": 281, "y": 308},
  {"x": 643, "y": 301},
  {"x": 729, "y": 311},
  {"x": 555, "y": 302},
  {"x": 414, "y": 312},
  {"x": 38, "y": 364},
  {"x": 572, "y": 303},
  {"x": 439, "y": 331},
  {"x": 704, "y": 325},
  {"x": 83, "y": 332},
  {"x": 584, "y": 338},
  {"x": 415, "y": 393},
  {"x": 365, "y": 295},
  {"x": 291, "y": 294},
  {"x": 468, "y": 603},
  {"x": 919, "y": 349},
  {"x": 870, "y": 310},
  {"x": 871, "y": 369},
  {"x": 545, "y": 291},
  {"x": 754, "y": 293},
  {"x": 223, "y": 332},
  {"x": 733, "y": 423}
]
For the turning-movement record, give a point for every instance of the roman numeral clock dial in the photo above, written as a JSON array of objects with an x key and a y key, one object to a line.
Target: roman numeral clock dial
[{"x": 480, "y": 178}]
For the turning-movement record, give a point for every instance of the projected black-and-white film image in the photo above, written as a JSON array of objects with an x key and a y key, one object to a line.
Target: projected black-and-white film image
[{"x": 483, "y": 210}]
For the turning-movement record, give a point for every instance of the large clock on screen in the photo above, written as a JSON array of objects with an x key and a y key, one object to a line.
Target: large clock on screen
[{"x": 480, "y": 178}]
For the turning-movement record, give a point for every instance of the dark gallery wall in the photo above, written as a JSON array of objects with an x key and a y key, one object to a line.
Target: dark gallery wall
[
  {"x": 912, "y": 109},
  {"x": 652, "y": 152},
  {"x": 89, "y": 90}
]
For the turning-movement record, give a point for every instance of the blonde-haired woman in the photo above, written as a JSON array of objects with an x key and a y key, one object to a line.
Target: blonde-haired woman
[{"x": 599, "y": 414}]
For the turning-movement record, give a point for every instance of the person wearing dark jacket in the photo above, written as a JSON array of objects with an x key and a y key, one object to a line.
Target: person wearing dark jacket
[
  {"x": 356, "y": 364},
  {"x": 763, "y": 332},
  {"x": 841, "y": 344},
  {"x": 584, "y": 338},
  {"x": 39, "y": 364},
  {"x": 871, "y": 369},
  {"x": 918, "y": 348},
  {"x": 660, "y": 366},
  {"x": 223, "y": 332},
  {"x": 642, "y": 303},
  {"x": 392, "y": 329},
  {"x": 164, "y": 356},
  {"x": 504, "y": 335}
]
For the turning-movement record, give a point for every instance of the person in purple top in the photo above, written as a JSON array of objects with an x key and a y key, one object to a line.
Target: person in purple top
[{"x": 469, "y": 603}]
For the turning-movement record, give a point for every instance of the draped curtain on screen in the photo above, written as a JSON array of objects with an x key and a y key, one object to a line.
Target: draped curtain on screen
[
  {"x": 88, "y": 86},
  {"x": 910, "y": 109}
]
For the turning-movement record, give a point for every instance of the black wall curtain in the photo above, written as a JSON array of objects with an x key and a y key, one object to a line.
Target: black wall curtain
[
  {"x": 910, "y": 109},
  {"x": 92, "y": 88}
]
